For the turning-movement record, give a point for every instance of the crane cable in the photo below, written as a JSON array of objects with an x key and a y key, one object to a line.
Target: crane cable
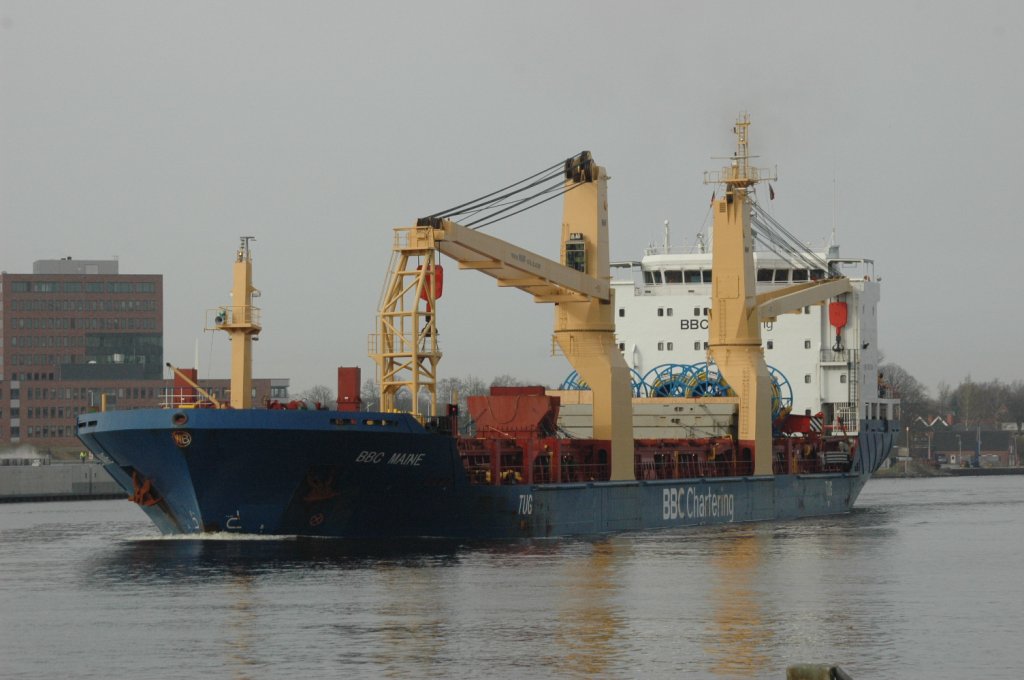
[{"x": 540, "y": 187}]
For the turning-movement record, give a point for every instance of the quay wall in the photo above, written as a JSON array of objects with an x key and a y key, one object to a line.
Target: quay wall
[{"x": 56, "y": 481}]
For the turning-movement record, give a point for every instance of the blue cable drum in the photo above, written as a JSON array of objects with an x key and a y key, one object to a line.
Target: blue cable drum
[
  {"x": 668, "y": 380},
  {"x": 782, "y": 393},
  {"x": 706, "y": 381},
  {"x": 574, "y": 382}
]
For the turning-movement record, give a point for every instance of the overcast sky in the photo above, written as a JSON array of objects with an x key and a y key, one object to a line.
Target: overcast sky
[{"x": 158, "y": 132}]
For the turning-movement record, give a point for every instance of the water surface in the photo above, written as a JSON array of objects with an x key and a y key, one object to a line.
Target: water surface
[{"x": 922, "y": 580}]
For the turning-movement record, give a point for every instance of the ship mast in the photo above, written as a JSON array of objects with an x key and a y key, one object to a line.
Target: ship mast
[
  {"x": 240, "y": 321},
  {"x": 735, "y": 325}
]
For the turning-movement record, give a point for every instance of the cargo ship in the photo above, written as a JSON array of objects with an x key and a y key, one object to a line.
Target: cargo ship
[{"x": 715, "y": 442}]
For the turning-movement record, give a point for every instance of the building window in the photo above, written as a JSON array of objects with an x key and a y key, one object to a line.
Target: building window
[
  {"x": 807, "y": 378},
  {"x": 622, "y": 311},
  {"x": 842, "y": 378},
  {"x": 661, "y": 311},
  {"x": 668, "y": 312},
  {"x": 771, "y": 344},
  {"x": 622, "y": 347},
  {"x": 705, "y": 345},
  {"x": 807, "y": 344},
  {"x": 696, "y": 311},
  {"x": 669, "y": 346},
  {"x": 661, "y": 347},
  {"x": 696, "y": 345}
]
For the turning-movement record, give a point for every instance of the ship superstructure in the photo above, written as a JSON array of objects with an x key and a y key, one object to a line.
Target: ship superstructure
[{"x": 663, "y": 304}]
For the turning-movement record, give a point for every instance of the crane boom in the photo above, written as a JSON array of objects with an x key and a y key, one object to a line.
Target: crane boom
[
  {"x": 513, "y": 266},
  {"x": 792, "y": 298}
]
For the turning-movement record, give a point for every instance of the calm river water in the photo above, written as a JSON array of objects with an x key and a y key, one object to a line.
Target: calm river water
[{"x": 924, "y": 579}]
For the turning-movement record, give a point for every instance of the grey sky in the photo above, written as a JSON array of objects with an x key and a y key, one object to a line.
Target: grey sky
[{"x": 159, "y": 132}]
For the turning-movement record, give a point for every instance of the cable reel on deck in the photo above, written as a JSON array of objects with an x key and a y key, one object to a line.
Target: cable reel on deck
[
  {"x": 707, "y": 381},
  {"x": 782, "y": 394},
  {"x": 573, "y": 381},
  {"x": 668, "y": 380}
]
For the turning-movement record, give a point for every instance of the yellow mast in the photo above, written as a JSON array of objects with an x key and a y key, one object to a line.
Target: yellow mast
[
  {"x": 735, "y": 326},
  {"x": 240, "y": 321}
]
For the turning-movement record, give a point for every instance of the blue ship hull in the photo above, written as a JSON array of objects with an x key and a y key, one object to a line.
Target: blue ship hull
[{"x": 371, "y": 475}]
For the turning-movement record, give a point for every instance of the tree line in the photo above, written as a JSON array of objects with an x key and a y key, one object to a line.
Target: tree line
[{"x": 968, "y": 405}]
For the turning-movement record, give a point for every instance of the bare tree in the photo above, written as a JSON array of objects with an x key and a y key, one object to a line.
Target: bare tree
[
  {"x": 318, "y": 394},
  {"x": 981, "y": 403},
  {"x": 914, "y": 401},
  {"x": 506, "y": 380},
  {"x": 370, "y": 395},
  {"x": 1015, "y": 403}
]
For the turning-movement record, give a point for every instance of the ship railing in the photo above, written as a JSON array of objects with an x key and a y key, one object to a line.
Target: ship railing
[
  {"x": 849, "y": 357},
  {"x": 812, "y": 463},
  {"x": 183, "y": 397},
  {"x": 688, "y": 466},
  {"x": 232, "y": 315}
]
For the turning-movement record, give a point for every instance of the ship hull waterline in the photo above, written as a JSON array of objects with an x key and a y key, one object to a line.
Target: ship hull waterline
[{"x": 366, "y": 475}]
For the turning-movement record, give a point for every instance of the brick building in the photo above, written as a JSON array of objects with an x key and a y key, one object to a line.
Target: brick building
[{"x": 74, "y": 330}]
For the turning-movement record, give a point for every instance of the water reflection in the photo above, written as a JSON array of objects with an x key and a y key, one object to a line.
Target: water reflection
[
  {"x": 189, "y": 559},
  {"x": 242, "y": 637},
  {"x": 590, "y": 622},
  {"x": 738, "y": 639},
  {"x": 411, "y": 619}
]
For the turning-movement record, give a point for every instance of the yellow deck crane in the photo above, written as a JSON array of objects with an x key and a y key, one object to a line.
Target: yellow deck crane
[
  {"x": 405, "y": 347},
  {"x": 737, "y": 310}
]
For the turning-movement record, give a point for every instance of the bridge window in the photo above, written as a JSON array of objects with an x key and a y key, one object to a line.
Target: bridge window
[
  {"x": 693, "y": 276},
  {"x": 706, "y": 275},
  {"x": 764, "y": 275},
  {"x": 781, "y": 276},
  {"x": 799, "y": 275},
  {"x": 673, "y": 276}
]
